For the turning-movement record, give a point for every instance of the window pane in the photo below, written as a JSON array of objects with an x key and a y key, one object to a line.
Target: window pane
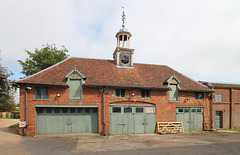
[
  {"x": 186, "y": 110},
  {"x": 65, "y": 110},
  {"x": 95, "y": 110},
  {"x": 117, "y": 92},
  {"x": 87, "y": 110},
  {"x": 198, "y": 96},
  {"x": 199, "y": 110},
  {"x": 37, "y": 93},
  {"x": 80, "y": 110},
  {"x": 143, "y": 93},
  {"x": 41, "y": 93},
  {"x": 219, "y": 98},
  {"x": 40, "y": 110},
  {"x": 72, "y": 110},
  {"x": 44, "y": 93},
  {"x": 122, "y": 92},
  {"x": 49, "y": 110},
  {"x": 193, "y": 110},
  {"x": 148, "y": 93},
  {"x": 57, "y": 110},
  {"x": 127, "y": 109},
  {"x": 139, "y": 110},
  {"x": 116, "y": 109},
  {"x": 180, "y": 110}
]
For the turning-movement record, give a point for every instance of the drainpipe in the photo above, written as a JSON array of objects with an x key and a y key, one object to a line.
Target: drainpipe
[
  {"x": 104, "y": 125},
  {"x": 212, "y": 96},
  {"x": 25, "y": 128},
  {"x": 231, "y": 110}
]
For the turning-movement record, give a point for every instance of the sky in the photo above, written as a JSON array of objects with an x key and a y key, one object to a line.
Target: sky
[{"x": 198, "y": 38}]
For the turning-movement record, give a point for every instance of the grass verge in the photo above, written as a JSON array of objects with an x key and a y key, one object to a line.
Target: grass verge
[
  {"x": 236, "y": 129},
  {"x": 14, "y": 125}
]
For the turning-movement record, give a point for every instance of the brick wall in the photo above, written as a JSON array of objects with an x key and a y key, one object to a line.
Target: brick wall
[
  {"x": 230, "y": 107},
  {"x": 165, "y": 110}
]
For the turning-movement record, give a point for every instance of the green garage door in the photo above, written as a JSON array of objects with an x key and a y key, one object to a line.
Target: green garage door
[
  {"x": 192, "y": 118},
  {"x": 67, "y": 120},
  {"x": 132, "y": 119}
]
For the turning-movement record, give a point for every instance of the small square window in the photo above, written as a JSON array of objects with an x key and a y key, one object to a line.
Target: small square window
[
  {"x": 72, "y": 110},
  {"x": 120, "y": 92},
  {"x": 186, "y": 110},
  {"x": 65, "y": 110},
  {"x": 139, "y": 110},
  {"x": 87, "y": 110},
  {"x": 95, "y": 110},
  {"x": 116, "y": 109},
  {"x": 40, "y": 110},
  {"x": 128, "y": 110},
  {"x": 219, "y": 98},
  {"x": 56, "y": 110},
  {"x": 199, "y": 110},
  {"x": 193, "y": 110},
  {"x": 49, "y": 110},
  {"x": 41, "y": 93},
  {"x": 199, "y": 96},
  {"x": 80, "y": 110},
  {"x": 145, "y": 93},
  {"x": 180, "y": 110}
]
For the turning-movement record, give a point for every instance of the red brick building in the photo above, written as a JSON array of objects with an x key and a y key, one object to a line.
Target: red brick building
[
  {"x": 80, "y": 95},
  {"x": 226, "y": 104}
]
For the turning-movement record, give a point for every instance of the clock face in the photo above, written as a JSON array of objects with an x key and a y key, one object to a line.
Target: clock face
[{"x": 125, "y": 59}]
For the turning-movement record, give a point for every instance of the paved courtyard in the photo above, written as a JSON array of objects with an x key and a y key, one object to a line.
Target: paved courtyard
[{"x": 90, "y": 144}]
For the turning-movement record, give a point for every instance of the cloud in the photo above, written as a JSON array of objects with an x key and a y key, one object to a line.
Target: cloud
[{"x": 197, "y": 38}]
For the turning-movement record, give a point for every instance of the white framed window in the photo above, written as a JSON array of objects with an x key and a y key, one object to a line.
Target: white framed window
[
  {"x": 121, "y": 93},
  {"x": 41, "y": 93},
  {"x": 145, "y": 93},
  {"x": 219, "y": 97}
]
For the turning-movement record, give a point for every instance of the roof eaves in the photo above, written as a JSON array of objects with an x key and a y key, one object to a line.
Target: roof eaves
[{"x": 18, "y": 81}]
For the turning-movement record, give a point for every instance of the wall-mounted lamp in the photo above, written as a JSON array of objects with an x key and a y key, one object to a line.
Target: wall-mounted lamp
[
  {"x": 58, "y": 95},
  {"x": 133, "y": 94},
  {"x": 188, "y": 98},
  {"x": 29, "y": 88}
]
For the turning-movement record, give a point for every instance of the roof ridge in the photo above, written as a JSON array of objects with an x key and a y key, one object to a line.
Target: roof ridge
[{"x": 44, "y": 70}]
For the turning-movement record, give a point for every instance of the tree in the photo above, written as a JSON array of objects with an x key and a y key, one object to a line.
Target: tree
[
  {"x": 42, "y": 58},
  {"x": 7, "y": 88}
]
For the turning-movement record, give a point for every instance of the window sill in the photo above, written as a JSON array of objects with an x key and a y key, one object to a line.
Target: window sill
[
  {"x": 145, "y": 98},
  {"x": 173, "y": 101},
  {"x": 120, "y": 97},
  {"x": 70, "y": 100}
]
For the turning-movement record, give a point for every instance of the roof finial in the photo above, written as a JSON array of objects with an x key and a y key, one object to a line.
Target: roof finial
[{"x": 123, "y": 17}]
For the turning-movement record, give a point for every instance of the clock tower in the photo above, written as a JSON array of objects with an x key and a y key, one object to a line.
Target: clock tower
[{"x": 123, "y": 55}]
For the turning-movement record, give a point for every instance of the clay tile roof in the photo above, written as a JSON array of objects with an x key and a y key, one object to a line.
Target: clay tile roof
[{"x": 100, "y": 72}]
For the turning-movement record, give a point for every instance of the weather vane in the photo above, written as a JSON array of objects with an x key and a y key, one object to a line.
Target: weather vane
[{"x": 123, "y": 18}]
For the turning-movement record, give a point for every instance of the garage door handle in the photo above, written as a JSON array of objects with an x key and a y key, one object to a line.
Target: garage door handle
[
  {"x": 69, "y": 123},
  {"x": 144, "y": 123},
  {"x": 189, "y": 121},
  {"x": 121, "y": 124}
]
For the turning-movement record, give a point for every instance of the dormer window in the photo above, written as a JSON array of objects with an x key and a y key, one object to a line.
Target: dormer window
[
  {"x": 173, "y": 83},
  {"x": 75, "y": 80}
]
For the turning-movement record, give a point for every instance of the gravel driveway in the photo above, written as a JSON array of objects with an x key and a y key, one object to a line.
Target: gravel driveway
[{"x": 90, "y": 144}]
